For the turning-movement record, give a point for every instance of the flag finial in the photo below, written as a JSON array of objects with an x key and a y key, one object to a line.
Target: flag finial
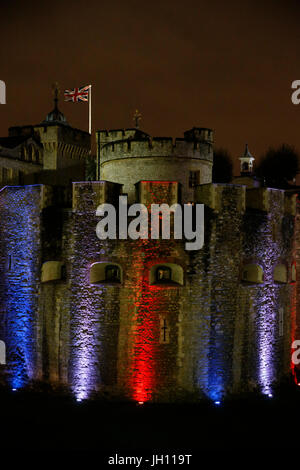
[
  {"x": 55, "y": 92},
  {"x": 136, "y": 118}
]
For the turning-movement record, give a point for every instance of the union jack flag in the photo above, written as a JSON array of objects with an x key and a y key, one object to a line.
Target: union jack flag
[{"x": 77, "y": 94}]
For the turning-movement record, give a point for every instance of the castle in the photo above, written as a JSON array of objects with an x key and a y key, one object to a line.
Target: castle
[{"x": 144, "y": 319}]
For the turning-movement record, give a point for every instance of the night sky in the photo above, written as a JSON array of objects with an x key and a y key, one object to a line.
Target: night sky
[{"x": 224, "y": 65}]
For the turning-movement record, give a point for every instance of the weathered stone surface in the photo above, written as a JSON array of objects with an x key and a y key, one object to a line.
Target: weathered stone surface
[{"x": 212, "y": 333}]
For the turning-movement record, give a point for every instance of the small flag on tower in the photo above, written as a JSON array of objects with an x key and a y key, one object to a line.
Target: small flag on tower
[{"x": 77, "y": 94}]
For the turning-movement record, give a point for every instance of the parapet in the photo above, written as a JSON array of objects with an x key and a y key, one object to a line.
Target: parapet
[
  {"x": 158, "y": 192},
  {"x": 290, "y": 203},
  {"x": 157, "y": 147},
  {"x": 220, "y": 196},
  {"x": 46, "y": 194},
  {"x": 199, "y": 134},
  {"x": 104, "y": 137},
  {"x": 87, "y": 195},
  {"x": 258, "y": 198},
  {"x": 68, "y": 133},
  {"x": 133, "y": 143},
  {"x": 262, "y": 199}
]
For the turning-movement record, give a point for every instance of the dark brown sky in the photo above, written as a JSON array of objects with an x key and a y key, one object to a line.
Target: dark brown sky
[{"x": 222, "y": 64}]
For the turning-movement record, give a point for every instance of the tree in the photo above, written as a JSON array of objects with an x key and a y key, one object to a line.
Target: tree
[
  {"x": 222, "y": 166},
  {"x": 278, "y": 166}
]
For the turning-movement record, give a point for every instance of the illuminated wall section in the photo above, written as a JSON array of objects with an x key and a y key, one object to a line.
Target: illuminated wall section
[
  {"x": 20, "y": 231},
  {"x": 93, "y": 328},
  {"x": 147, "y": 364},
  {"x": 94, "y": 308},
  {"x": 224, "y": 248},
  {"x": 269, "y": 243},
  {"x": 142, "y": 373}
]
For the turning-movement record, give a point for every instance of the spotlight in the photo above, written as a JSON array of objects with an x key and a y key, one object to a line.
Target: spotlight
[
  {"x": 14, "y": 389},
  {"x": 140, "y": 402},
  {"x": 217, "y": 403},
  {"x": 78, "y": 399},
  {"x": 270, "y": 395}
]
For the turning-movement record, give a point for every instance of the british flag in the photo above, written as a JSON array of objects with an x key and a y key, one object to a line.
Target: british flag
[{"x": 77, "y": 94}]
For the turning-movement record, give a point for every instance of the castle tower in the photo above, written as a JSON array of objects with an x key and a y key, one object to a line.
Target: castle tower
[
  {"x": 63, "y": 146},
  {"x": 127, "y": 156},
  {"x": 246, "y": 162}
]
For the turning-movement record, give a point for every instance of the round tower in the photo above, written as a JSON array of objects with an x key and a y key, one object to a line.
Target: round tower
[{"x": 129, "y": 156}]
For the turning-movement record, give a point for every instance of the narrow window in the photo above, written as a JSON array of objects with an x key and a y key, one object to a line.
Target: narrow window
[
  {"x": 194, "y": 178},
  {"x": 281, "y": 322},
  {"x": 10, "y": 262},
  {"x": 164, "y": 336}
]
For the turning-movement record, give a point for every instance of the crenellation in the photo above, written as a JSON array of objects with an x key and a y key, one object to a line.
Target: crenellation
[
  {"x": 147, "y": 319},
  {"x": 290, "y": 203},
  {"x": 87, "y": 196},
  {"x": 156, "y": 147},
  {"x": 212, "y": 196}
]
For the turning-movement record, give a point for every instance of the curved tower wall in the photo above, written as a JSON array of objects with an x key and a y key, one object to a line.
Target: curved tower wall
[{"x": 128, "y": 158}]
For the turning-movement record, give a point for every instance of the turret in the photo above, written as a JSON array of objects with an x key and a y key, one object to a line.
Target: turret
[
  {"x": 246, "y": 162},
  {"x": 130, "y": 155}
]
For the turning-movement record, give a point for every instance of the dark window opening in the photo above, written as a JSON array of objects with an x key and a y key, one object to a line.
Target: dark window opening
[
  {"x": 112, "y": 274},
  {"x": 10, "y": 263},
  {"x": 63, "y": 272},
  {"x": 163, "y": 274},
  {"x": 194, "y": 178}
]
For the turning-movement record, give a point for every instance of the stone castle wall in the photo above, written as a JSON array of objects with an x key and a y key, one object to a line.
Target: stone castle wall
[
  {"x": 134, "y": 158},
  {"x": 20, "y": 251},
  {"x": 219, "y": 340},
  {"x": 211, "y": 332}
]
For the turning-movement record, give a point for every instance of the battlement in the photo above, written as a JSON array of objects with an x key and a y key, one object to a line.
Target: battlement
[
  {"x": 261, "y": 199},
  {"x": 221, "y": 196},
  {"x": 128, "y": 143},
  {"x": 53, "y": 129},
  {"x": 87, "y": 196},
  {"x": 199, "y": 134},
  {"x": 157, "y": 192},
  {"x": 39, "y": 196},
  {"x": 104, "y": 137},
  {"x": 156, "y": 147}
]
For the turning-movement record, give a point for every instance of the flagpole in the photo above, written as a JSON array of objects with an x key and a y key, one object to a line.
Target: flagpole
[{"x": 90, "y": 109}]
